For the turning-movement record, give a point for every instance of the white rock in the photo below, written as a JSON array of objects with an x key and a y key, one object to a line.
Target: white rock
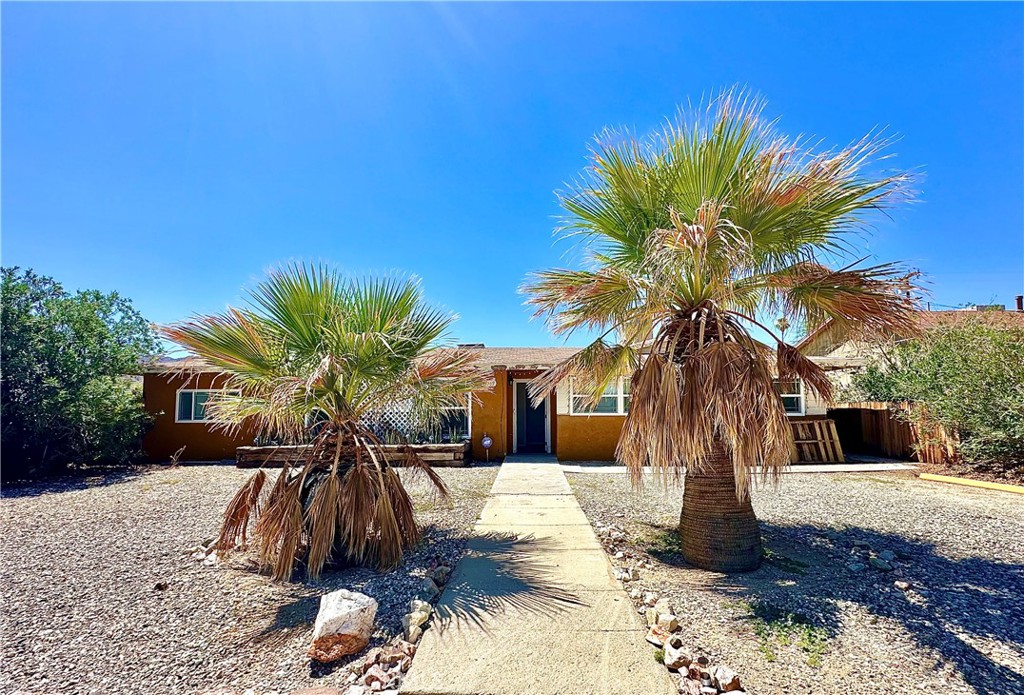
[
  {"x": 651, "y": 616},
  {"x": 726, "y": 679},
  {"x": 417, "y": 618},
  {"x": 667, "y": 620},
  {"x": 650, "y": 599},
  {"x": 663, "y": 606},
  {"x": 343, "y": 625},
  {"x": 676, "y": 656},
  {"x": 418, "y": 606},
  {"x": 635, "y": 593}
]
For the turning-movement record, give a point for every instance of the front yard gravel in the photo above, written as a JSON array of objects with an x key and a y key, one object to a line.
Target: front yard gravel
[
  {"x": 101, "y": 594},
  {"x": 819, "y": 617}
]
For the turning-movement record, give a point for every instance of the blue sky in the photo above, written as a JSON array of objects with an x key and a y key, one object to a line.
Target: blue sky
[{"x": 175, "y": 152}]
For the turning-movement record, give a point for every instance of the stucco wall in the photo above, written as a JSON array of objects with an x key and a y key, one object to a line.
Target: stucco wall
[
  {"x": 201, "y": 442},
  {"x": 489, "y": 417},
  {"x": 588, "y": 438}
]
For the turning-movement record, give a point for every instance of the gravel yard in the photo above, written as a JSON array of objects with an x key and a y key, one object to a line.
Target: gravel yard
[
  {"x": 818, "y": 617},
  {"x": 85, "y": 561}
]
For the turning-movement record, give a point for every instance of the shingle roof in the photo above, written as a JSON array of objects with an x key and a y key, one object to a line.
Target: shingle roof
[
  {"x": 511, "y": 357},
  {"x": 828, "y": 336},
  {"x": 524, "y": 357}
]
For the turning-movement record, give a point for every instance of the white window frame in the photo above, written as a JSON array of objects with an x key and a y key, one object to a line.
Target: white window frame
[
  {"x": 177, "y": 405},
  {"x": 620, "y": 404},
  {"x": 802, "y": 395},
  {"x": 469, "y": 415}
]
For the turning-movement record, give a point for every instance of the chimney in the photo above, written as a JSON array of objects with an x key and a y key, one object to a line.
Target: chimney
[{"x": 1020, "y": 302}]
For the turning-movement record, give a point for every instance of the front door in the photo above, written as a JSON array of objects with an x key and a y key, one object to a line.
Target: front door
[{"x": 531, "y": 423}]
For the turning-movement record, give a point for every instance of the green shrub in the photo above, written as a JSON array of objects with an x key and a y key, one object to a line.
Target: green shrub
[
  {"x": 968, "y": 378},
  {"x": 66, "y": 394}
]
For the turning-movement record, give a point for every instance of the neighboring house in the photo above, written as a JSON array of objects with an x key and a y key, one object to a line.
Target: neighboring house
[
  {"x": 565, "y": 424},
  {"x": 842, "y": 349}
]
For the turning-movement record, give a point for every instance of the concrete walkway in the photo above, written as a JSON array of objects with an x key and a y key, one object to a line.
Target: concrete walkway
[{"x": 532, "y": 607}]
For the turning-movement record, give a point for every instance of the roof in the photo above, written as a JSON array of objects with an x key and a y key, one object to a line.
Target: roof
[
  {"x": 827, "y": 336},
  {"x": 524, "y": 357},
  {"x": 174, "y": 364},
  {"x": 510, "y": 357}
]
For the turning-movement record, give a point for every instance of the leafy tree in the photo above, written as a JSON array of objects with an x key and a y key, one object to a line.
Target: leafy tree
[
  {"x": 967, "y": 377},
  {"x": 67, "y": 399},
  {"x": 310, "y": 357},
  {"x": 693, "y": 234}
]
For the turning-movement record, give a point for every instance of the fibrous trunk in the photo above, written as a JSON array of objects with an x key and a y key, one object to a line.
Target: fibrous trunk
[{"x": 719, "y": 532}]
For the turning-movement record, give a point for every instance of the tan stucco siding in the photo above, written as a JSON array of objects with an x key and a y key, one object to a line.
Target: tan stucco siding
[
  {"x": 489, "y": 417},
  {"x": 588, "y": 438},
  {"x": 201, "y": 441}
]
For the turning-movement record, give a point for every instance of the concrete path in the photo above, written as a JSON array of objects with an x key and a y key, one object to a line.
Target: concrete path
[{"x": 532, "y": 607}]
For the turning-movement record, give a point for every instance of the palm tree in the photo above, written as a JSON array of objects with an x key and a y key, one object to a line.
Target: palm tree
[
  {"x": 308, "y": 360},
  {"x": 693, "y": 234}
]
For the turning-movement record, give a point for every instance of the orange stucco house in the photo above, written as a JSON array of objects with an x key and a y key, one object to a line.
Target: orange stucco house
[{"x": 564, "y": 425}]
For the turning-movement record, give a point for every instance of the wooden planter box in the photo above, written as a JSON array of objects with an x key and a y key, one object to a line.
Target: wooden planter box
[{"x": 437, "y": 455}]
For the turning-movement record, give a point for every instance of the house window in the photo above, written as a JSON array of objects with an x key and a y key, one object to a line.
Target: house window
[
  {"x": 614, "y": 401},
  {"x": 192, "y": 404},
  {"x": 791, "y": 391}
]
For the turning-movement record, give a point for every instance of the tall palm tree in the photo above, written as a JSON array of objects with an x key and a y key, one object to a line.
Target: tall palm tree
[
  {"x": 692, "y": 235},
  {"x": 309, "y": 359}
]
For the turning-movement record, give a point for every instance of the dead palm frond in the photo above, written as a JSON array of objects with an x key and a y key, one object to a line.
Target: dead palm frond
[{"x": 315, "y": 348}]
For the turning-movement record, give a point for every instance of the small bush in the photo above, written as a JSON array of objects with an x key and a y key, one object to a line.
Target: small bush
[{"x": 968, "y": 378}]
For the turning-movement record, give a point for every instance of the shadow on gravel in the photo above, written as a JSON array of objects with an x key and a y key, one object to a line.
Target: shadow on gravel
[
  {"x": 806, "y": 573},
  {"x": 500, "y": 572},
  {"x": 72, "y": 481}
]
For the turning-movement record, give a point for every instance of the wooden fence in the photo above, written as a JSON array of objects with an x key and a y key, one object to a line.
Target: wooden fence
[
  {"x": 885, "y": 428},
  {"x": 438, "y": 455}
]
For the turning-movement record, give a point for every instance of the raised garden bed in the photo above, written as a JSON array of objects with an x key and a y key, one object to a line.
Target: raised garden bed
[{"x": 437, "y": 455}]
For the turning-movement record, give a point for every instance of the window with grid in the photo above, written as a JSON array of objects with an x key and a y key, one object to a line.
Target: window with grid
[
  {"x": 191, "y": 405},
  {"x": 791, "y": 391},
  {"x": 614, "y": 401}
]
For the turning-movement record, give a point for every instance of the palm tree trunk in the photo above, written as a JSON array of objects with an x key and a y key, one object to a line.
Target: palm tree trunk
[{"x": 719, "y": 532}]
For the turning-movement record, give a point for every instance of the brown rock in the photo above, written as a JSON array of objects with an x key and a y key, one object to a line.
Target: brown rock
[
  {"x": 390, "y": 656},
  {"x": 377, "y": 675},
  {"x": 371, "y": 658}
]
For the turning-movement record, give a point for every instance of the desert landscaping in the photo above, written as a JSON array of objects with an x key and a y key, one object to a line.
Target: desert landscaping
[
  {"x": 105, "y": 589},
  {"x": 877, "y": 579}
]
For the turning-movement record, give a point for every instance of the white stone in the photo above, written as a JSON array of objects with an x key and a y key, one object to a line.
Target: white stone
[
  {"x": 676, "y": 656},
  {"x": 663, "y": 606},
  {"x": 650, "y": 599},
  {"x": 726, "y": 679},
  {"x": 343, "y": 625},
  {"x": 667, "y": 620},
  {"x": 417, "y": 618},
  {"x": 418, "y": 606}
]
